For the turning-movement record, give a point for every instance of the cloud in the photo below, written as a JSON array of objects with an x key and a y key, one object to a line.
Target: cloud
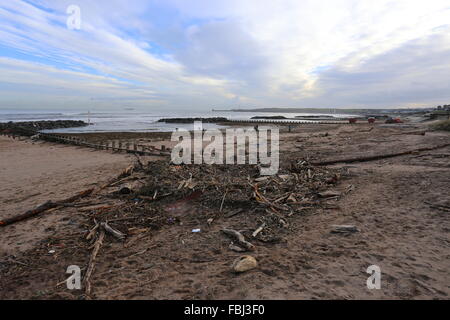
[
  {"x": 414, "y": 73},
  {"x": 199, "y": 54}
]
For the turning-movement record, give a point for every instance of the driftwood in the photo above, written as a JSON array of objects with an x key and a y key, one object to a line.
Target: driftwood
[
  {"x": 344, "y": 229},
  {"x": 99, "y": 207},
  {"x": 235, "y": 248},
  {"x": 223, "y": 201},
  {"x": 239, "y": 238},
  {"x": 93, "y": 231},
  {"x": 377, "y": 157},
  {"x": 91, "y": 265},
  {"x": 329, "y": 194},
  {"x": 439, "y": 206},
  {"x": 419, "y": 133},
  {"x": 127, "y": 172},
  {"x": 120, "y": 178},
  {"x": 257, "y": 231},
  {"x": 115, "y": 233},
  {"x": 45, "y": 207},
  {"x": 233, "y": 213},
  {"x": 139, "y": 162},
  {"x": 154, "y": 197}
]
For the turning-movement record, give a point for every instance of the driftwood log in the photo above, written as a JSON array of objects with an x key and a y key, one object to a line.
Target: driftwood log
[
  {"x": 91, "y": 265},
  {"x": 239, "y": 237},
  {"x": 344, "y": 229},
  {"x": 44, "y": 207},
  {"x": 115, "y": 233},
  {"x": 377, "y": 157}
]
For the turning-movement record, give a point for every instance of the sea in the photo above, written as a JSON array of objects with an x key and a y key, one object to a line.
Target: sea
[{"x": 132, "y": 121}]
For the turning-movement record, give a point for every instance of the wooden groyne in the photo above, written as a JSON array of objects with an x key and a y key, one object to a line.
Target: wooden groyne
[
  {"x": 282, "y": 122},
  {"x": 113, "y": 146}
]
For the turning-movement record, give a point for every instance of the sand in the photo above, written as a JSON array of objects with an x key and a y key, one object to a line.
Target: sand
[
  {"x": 32, "y": 173},
  {"x": 388, "y": 200}
]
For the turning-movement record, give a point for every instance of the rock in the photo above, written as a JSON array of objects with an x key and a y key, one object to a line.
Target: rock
[
  {"x": 244, "y": 263},
  {"x": 30, "y": 128}
]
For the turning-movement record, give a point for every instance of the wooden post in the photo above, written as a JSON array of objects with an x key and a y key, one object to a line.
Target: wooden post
[{"x": 163, "y": 148}]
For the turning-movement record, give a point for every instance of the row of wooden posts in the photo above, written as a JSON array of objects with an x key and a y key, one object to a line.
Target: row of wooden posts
[
  {"x": 107, "y": 145},
  {"x": 288, "y": 122}
]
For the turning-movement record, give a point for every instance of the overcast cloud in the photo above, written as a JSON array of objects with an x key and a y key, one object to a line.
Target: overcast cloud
[{"x": 174, "y": 54}]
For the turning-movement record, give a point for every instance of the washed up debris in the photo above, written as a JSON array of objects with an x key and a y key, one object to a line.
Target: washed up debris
[
  {"x": 239, "y": 237},
  {"x": 47, "y": 206},
  {"x": 329, "y": 194},
  {"x": 235, "y": 248},
  {"x": 125, "y": 190},
  {"x": 379, "y": 156},
  {"x": 244, "y": 263},
  {"x": 91, "y": 264},
  {"x": 110, "y": 230},
  {"x": 233, "y": 213},
  {"x": 257, "y": 231},
  {"x": 226, "y": 197},
  {"x": 344, "y": 229}
]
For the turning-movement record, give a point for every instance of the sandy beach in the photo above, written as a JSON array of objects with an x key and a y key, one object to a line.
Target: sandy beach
[{"x": 400, "y": 206}]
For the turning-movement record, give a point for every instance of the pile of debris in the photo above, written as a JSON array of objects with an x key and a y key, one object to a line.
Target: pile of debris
[
  {"x": 241, "y": 207},
  {"x": 162, "y": 194}
]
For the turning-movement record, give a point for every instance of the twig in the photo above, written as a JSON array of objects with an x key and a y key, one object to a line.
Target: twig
[
  {"x": 257, "y": 231},
  {"x": 91, "y": 265},
  {"x": 223, "y": 200},
  {"x": 239, "y": 238},
  {"x": 92, "y": 232},
  {"x": 115, "y": 233}
]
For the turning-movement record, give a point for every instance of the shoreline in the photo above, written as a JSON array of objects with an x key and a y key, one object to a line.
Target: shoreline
[{"x": 388, "y": 200}]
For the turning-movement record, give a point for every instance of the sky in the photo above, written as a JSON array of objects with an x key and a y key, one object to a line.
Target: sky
[{"x": 204, "y": 54}]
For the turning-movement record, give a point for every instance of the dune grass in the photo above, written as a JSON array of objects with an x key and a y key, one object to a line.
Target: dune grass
[{"x": 442, "y": 125}]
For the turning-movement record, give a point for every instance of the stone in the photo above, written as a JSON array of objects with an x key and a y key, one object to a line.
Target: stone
[{"x": 244, "y": 263}]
